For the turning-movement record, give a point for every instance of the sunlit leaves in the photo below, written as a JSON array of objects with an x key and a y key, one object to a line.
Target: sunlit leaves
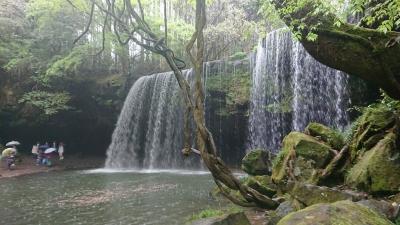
[
  {"x": 384, "y": 16},
  {"x": 311, "y": 36}
]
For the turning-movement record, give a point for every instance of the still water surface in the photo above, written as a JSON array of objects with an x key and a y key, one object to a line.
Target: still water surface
[{"x": 104, "y": 197}]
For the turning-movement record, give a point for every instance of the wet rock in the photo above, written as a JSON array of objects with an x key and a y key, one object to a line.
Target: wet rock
[
  {"x": 261, "y": 184},
  {"x": 230, "y": 219},
  {"x": 283, "y": 209},
  {"x": 378, "y": 169},
  {"x": 371, "y": 128},
  {"x": 328, "y": 135},
  {"x": 306, "y": 153},
  {"x": 338, "y": 213},
  {"x": 257, "y": 162},
  {"x": 387, "y": 209},
  {"x": 309, "y": 194}
]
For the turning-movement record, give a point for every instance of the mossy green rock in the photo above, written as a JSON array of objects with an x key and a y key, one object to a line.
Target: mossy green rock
[
  {"x": 328, "y": 135},
  {"x": 257, "y": 162},
  {"x": 371, "y": 128},
  {"x": 261, "y": 184},
  {"x": 338, "y": 213},
  {"x": 308, "y": 152},
  {"x": 378, "y": 170},
  {"x": 309, "y": 194}
]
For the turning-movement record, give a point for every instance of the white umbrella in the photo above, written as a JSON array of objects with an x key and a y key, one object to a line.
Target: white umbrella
[
  {"x": 12, "y": 143},
  {"x": 49, "y": 150}
]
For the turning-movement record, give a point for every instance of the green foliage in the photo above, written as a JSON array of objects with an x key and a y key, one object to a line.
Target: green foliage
[
  {"x": 238, "y": 56},
  {"x": 206, "y": 214},
  {"x": 21, "y": 63},
  {"x": 389, "y": 102},
  {"x": 235, "y": 87},
  {"x": 283, "y": 106},
  {"x": 385, "y": 103},
  {"x": 383, "y": 15},
  {"x": 229, "y": 29},
  {"x": 63, "y": 66},
  {"x": 49, "y": 103}
]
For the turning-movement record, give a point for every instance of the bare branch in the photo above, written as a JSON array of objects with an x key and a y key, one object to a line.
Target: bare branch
[{"x": 88, "y": 25}]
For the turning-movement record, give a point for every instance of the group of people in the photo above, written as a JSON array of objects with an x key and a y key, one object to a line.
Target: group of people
[{"x": 44, "y": 153}]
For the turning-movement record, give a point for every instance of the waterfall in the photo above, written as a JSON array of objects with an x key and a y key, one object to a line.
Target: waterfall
[
  {"x": 289, "y": 90},
  {"x": 149, "y": 131}
]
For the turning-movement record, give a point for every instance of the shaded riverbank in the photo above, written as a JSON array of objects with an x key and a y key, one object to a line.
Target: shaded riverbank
[{"x": 28, "y": 166}]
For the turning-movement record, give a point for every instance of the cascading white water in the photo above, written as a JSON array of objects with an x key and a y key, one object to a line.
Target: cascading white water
[
  {"x": 149, "y": 131},
  {"x": 291, "y": 89}
]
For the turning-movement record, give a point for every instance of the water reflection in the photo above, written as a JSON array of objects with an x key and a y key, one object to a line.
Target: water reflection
[{"x": 95, "y": 197}]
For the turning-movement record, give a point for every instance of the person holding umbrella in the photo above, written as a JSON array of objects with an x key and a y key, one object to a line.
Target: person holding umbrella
[
  {"x": 48, "y": 154},
  {"x": 9, "y": 155},
  {"x": 40, "y": 155},
  {"x": 14, "y": 157}
]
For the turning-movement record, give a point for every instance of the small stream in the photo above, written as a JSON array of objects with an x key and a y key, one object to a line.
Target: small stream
[{"x": 105, "y": 197}]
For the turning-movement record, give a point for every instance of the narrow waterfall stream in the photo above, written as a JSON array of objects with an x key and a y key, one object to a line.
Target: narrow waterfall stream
[{"x": 291, "y": 89}]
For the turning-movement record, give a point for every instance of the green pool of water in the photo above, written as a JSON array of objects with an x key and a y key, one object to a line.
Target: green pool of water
[{"x": 104, "y": 197}]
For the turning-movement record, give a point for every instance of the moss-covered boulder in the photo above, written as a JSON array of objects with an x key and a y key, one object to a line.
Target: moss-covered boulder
[
  {"x": 328, "y": 135},
  {"x": 370, "y": 128},
  {"x": 305, "y": 153},
  {"x": 338, "y": 213},
  {"x": 378, "y": 169},
  {"x": 387, "y": 209},
  {"x": 309, "y": 194},
  {"x": 283, "y": 209},
  {"x": 257, "y": 162},
  {"x": 261, "y": 184}
]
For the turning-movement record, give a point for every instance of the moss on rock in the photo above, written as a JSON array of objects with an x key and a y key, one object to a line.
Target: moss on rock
[
  {"x": 338, "y": 213},
  {"x": 309, "y": 194},
  {"x": 378, "y": 170},
  {"x": 308, "y": 154},
  {"x": 261, "y": 184},
  {"x": 328, "y": 135},
  {"x": 257, "y": 162},
  {"x": 371, "y": 128}
]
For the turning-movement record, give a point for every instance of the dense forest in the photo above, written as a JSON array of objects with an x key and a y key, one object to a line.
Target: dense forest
[
  {"x": 299, "y": 97},
  {"x": 69, "y": 88}
]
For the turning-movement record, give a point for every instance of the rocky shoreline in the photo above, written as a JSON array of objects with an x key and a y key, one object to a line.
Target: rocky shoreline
[{"x": 325, "y": 177}]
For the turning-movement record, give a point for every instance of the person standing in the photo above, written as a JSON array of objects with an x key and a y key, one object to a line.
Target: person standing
[
  {"x": 35, "y": 149},
  {"x": 61, "y": 150},
  {"x": 39, "y": 157}
]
